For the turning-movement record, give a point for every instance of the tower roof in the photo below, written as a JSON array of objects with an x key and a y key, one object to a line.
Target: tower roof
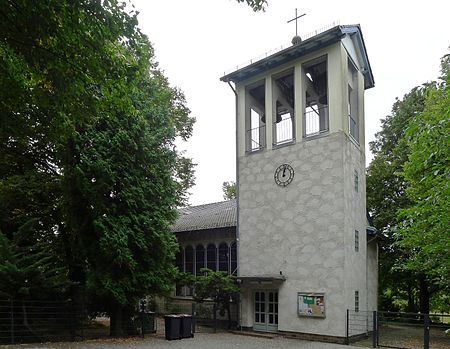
[{"x": 302, "y": 48}]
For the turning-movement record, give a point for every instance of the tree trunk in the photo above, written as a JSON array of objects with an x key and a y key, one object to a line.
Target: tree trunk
[
  {"x": 424, "y": 294},
  {"x": 229, "y": 315},
  {"x": 116, "y": 325},
  {"x": 411, "y": 307}
]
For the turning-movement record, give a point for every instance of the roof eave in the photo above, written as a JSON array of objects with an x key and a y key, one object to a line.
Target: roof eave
[{"x": 314, "y": 43}]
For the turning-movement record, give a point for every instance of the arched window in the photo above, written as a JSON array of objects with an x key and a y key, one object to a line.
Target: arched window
[
  {"x": 189, "y": 260},
  {"x": 211, "y": 257},
  {"x": 179, "y": 260},
  {"x": 233, "y": 258},
  {"x": 223, "y": 257},
  {"x": 199, "y": 259}
]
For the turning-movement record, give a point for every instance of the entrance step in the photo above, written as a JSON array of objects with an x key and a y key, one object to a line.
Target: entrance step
[{"x": 255, "y": 334}]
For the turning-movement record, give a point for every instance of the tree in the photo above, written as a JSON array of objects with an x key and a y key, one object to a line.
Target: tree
[
  {"x": 88, "y": 130},
  {"x": 425, "y": 228},
  {"x": 219, "y": 287},
  {"x": 256, "y": 5},
  {"x": 229, "y": 190},
  {"x": 385, "y": 195}
]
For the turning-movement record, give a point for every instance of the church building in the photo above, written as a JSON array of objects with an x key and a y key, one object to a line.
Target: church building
[{"x": 297, "y": 236}]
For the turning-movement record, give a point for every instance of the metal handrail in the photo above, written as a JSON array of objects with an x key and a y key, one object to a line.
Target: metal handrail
[{"x": 256, "y": 138}]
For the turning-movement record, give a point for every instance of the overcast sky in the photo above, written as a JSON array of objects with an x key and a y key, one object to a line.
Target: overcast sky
[{"x": 197, "y": 41}]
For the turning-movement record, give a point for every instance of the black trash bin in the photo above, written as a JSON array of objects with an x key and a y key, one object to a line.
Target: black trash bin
[
  {"x": 186, "y": 326},
  {"x": 148, "y": 322},
  {"x": 173, "y": 327}
]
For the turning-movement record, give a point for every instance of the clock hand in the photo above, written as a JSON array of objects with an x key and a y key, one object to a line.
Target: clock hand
[{"x": 284, "y": 172}]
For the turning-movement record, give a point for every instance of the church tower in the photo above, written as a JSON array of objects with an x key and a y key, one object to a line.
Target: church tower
[{"x": 305, "y": 254}]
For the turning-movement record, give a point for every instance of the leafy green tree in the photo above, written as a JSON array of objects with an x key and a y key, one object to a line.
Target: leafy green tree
[
  {"x": 256, "y": 5},
  {"x": 88, "y": 130},
  {"x": 385, "y": 195},
  {"x": 425, "y": 229},
  {"x": 219, "y": 287},
  {"x": 229, "y": 190},
  {"x": 29, "y": 270}
]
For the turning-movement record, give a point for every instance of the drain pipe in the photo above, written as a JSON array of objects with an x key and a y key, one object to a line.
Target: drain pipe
[{"x": 239, "y": 308}]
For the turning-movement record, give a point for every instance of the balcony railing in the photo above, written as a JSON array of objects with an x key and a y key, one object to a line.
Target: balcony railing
[
  {"x": 256, "y": 138},
  {"x": 284, "y": 131},
  {"x": 316, "y": 120}
]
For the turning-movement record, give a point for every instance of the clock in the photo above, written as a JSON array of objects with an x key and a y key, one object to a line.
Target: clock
[{"x": 284, "y": 175}]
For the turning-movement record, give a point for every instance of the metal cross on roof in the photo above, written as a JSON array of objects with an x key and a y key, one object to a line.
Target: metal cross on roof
[{"x": 295, "y": 19}]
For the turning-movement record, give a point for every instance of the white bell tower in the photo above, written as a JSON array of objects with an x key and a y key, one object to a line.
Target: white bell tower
[{"x": 303, "y": 251}]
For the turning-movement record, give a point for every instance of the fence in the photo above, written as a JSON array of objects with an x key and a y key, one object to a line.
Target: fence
[
  {"x": 398, "y": 330},
  {"x": 33, "y": 321},
  {"x": 44, "y": 321}
]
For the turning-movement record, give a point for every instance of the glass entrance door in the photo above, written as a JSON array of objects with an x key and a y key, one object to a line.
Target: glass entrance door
[{"x": 265, "y": 310}]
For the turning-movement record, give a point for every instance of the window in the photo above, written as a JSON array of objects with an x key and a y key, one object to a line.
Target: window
[
  {"x": 283, "y": 97},
  {"x": 356, "y": 301},
  {"x": 255, "y": 118},
  {"x": 233, "y": 258},
  {"x": 356, "y": 181},
  {"x": 179, "y": 264},
  {"x": 356, "y": 241},
  {"x": 353, "y": 101},
  {"x": 211, "y": 257},
  {"x": 179, "y": 260},
  {"x": 315, "y": 85},
  {"x": 223, "y": 257},
  {"x": 189, "y": 260},
  {"x": 199, "y": 259}
]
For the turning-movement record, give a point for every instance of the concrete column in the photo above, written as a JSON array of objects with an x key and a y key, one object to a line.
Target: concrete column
[
  {"x": 337, "y": 85},
  {"x": 361, "y": 115},
  {"x": 299, "y": 93},
  {"x": 242, "y": 120},
  {"x": 269, "y": 112}
]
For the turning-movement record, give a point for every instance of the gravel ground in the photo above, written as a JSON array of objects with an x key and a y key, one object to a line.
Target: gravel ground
[{"x": 200, "y": 341}]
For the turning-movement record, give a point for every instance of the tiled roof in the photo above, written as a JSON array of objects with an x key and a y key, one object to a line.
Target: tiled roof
[{"x": 215, "y": 215}]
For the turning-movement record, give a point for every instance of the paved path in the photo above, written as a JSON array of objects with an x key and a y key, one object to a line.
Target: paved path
[{"x": 200, "y": 341}]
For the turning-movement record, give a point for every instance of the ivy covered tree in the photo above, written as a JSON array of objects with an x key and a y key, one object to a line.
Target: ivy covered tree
[{"x": 88, "y": 130}]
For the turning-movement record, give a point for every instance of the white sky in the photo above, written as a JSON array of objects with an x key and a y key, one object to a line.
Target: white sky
[{"x": 196, "y": 41}]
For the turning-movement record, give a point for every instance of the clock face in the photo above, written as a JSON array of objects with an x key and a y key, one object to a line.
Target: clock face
[{"x": 284, "y": 175}]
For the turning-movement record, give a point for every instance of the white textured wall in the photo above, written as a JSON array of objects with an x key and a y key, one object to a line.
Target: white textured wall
[
  {"x": 355, "y": 219},
  {"x": 298, "y": 229}
]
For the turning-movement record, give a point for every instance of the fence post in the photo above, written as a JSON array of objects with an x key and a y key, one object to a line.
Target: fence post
[
  {"x": 141, "y": 315},
  {"x": 378, "y": 328},
  {"x": 375, "y": 329},
  {"x": 426, "y": 334},
  {"x": 12, "y": 320},
  {"x": 194, "y": 316},
  {"x": 82, "y": 319},
  {"x": 347, "y": 341},
  {"x": 215, "y": 317}
]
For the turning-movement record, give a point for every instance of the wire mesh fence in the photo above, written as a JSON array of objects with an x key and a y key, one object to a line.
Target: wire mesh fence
[
  {"x": 361, "y": 326},
  {"x": 398, "y": 330},
  {"x": 33, "y": 321},
  {"x": 26, "y": 321}
]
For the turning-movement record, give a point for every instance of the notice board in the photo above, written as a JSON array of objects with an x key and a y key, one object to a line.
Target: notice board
[{"x": 311, "y": 304}]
